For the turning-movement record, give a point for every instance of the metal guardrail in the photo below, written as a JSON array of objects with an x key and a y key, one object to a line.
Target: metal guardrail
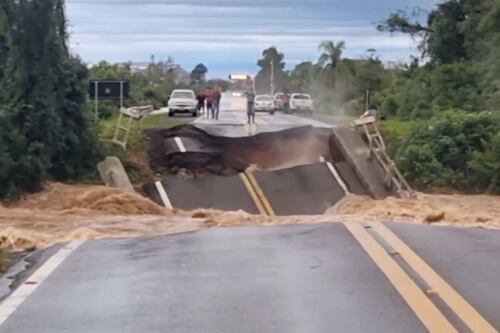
[{"x": 393, "y": 177}]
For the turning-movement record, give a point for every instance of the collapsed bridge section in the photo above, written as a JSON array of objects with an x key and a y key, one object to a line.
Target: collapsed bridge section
[
  {"x": 302, "y": 190},
  {"x": 302, "y": 170}
]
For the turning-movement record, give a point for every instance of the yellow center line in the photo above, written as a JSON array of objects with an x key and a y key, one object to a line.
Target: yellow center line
[
  {"x": 466, "y": 312},
  {"x": 421, "y": 305},
  {"x": 260, "y": 193},
  {"x": 252, "y": 193}
]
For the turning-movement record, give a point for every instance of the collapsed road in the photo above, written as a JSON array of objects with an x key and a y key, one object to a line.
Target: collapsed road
[
  {"x": 207, "y": 164},
  {"x": 356, "y": 276}
]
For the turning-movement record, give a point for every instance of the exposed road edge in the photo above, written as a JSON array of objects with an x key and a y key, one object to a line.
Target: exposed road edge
[
  {"x": 337, "y": 177},
  {"x": 374, "y": 184},
  {"x": 422, "y": 306},
  {"x": 163, "y": 195},
  {"x": 253, "y": 195},
  {"x": 260, "y": 193}
]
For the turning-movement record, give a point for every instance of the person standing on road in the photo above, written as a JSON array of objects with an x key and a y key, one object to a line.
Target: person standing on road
[
  {"x": 250, "y": 106},
  {"x": 200, "y": 97},
  {"x": 209, "y": 100},
  {"x": 216, "y": 103},
  {"x": 286, "y": 101}
]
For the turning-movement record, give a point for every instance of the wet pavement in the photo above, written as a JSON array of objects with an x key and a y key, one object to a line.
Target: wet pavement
[
  {"x": 302, "y": 278},
  {"x": 233, "y": 120}
]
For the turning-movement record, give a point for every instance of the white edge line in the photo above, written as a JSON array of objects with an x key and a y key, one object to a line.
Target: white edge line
[
  {"x": 180, "y": 145},
  {"x": 14, "y": 300},
  {"x": 337, "y": 177},
  {"x": 163, "y": 195}
]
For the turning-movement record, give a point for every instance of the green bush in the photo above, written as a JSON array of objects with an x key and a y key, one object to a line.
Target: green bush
[
  {"x": 421, "y": 166},
  {"x": 486, "y": 165},
  {"x": 454, "y": 149},
  {"x": 45, "y": 129},
  {"x": 106, "y": 109},
  {"x": 422, "y": 92},
  {"x": 353, "y": 108}
]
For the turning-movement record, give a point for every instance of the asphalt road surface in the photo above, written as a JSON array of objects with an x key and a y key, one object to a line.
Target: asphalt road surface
[
  {"x": 233, "y": 121},
  {"x": 299, "y": 278}
]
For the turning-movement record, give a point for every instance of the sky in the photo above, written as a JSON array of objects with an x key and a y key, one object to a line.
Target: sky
[{"x": 228, "y": 36}]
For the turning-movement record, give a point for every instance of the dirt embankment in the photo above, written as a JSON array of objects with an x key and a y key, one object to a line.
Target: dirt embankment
[{"x": 64, "y": 213}]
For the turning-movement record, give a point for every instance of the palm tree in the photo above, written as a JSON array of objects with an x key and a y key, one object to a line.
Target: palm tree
[
  {"x": 335, "y": 70},
  {"x": 332, "y": 54}
]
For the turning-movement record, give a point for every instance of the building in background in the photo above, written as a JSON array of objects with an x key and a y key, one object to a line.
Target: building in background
[{"x": 165, "y": 70}]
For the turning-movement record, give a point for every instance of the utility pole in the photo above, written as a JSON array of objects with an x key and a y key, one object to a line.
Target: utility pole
[
  {"x": 367, "y": 99},
  {"x": 272, "y": 77}
]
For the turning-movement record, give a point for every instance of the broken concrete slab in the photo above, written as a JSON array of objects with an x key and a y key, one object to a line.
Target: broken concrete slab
[{"x": 113, "y": 173}]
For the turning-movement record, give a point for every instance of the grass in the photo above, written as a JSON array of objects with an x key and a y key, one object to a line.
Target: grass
[
  {"x": 134, "y": 159},
  {"x": 395, "y": 132},
  {"x": 398, "y": 128},
  {"x": 153, "y": 121},
  {"x": 164, "y": 121},
  {"x": 3, "y": 260}
]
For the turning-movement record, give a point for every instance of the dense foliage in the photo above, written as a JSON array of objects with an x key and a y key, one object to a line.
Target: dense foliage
[
  {"x": 461, "y": 45},
  {"x": 454, "y": 148},
  {"x": 44, "y": 129}
]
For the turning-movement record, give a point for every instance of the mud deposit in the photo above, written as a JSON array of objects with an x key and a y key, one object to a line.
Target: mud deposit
[
  {"x": 64, "y": 213},
  {"x": 459, "y": 210},
  {"x": 207, "y": 154}
]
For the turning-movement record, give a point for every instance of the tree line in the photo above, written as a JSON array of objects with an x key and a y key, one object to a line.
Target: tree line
[
  {"x": 452, "y": 93},
  {"x": 45, "y": 132},
  {"x": 339, "y": 85}
]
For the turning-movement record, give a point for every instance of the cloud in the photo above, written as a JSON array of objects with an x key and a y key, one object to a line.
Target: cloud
[{"x": 229, "y": 35}]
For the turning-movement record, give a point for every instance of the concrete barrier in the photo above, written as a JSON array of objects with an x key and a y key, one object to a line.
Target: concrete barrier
[{"x": 113, "y": 173}]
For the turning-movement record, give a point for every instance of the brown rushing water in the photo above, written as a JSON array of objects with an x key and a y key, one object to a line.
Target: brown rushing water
[{"x": 70, "y": 212}]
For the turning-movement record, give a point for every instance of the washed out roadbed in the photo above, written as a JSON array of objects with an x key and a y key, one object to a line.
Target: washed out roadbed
[{"x": 64, "y": 213}]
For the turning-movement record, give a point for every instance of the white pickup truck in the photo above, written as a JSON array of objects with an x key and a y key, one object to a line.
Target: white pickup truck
[
  {"x": 301, "y": 103},
  {"x": 182, "y": 101}
]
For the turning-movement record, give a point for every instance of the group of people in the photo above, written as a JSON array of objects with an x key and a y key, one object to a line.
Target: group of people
[{"x": 209, "y": 101}]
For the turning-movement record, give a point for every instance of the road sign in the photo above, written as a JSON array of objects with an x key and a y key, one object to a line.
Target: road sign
[{"x": 109, "y": 89}]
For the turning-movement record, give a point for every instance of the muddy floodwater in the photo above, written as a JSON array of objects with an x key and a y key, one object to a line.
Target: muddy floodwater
[{"x": 63, "y": 213}]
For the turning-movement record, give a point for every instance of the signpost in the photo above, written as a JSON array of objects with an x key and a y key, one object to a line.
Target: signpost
[{"x": 108, "y": 90}]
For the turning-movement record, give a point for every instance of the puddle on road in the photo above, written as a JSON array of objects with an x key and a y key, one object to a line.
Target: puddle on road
[{"x": 65, "y": 212}]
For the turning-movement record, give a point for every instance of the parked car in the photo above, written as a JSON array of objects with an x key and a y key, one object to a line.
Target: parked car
[
  {"x": 301, "y": 103},
  {"x": 264, "y": 103},
  {"x": 278, "y": 101},
  {"x": 182, "y": 101}
]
